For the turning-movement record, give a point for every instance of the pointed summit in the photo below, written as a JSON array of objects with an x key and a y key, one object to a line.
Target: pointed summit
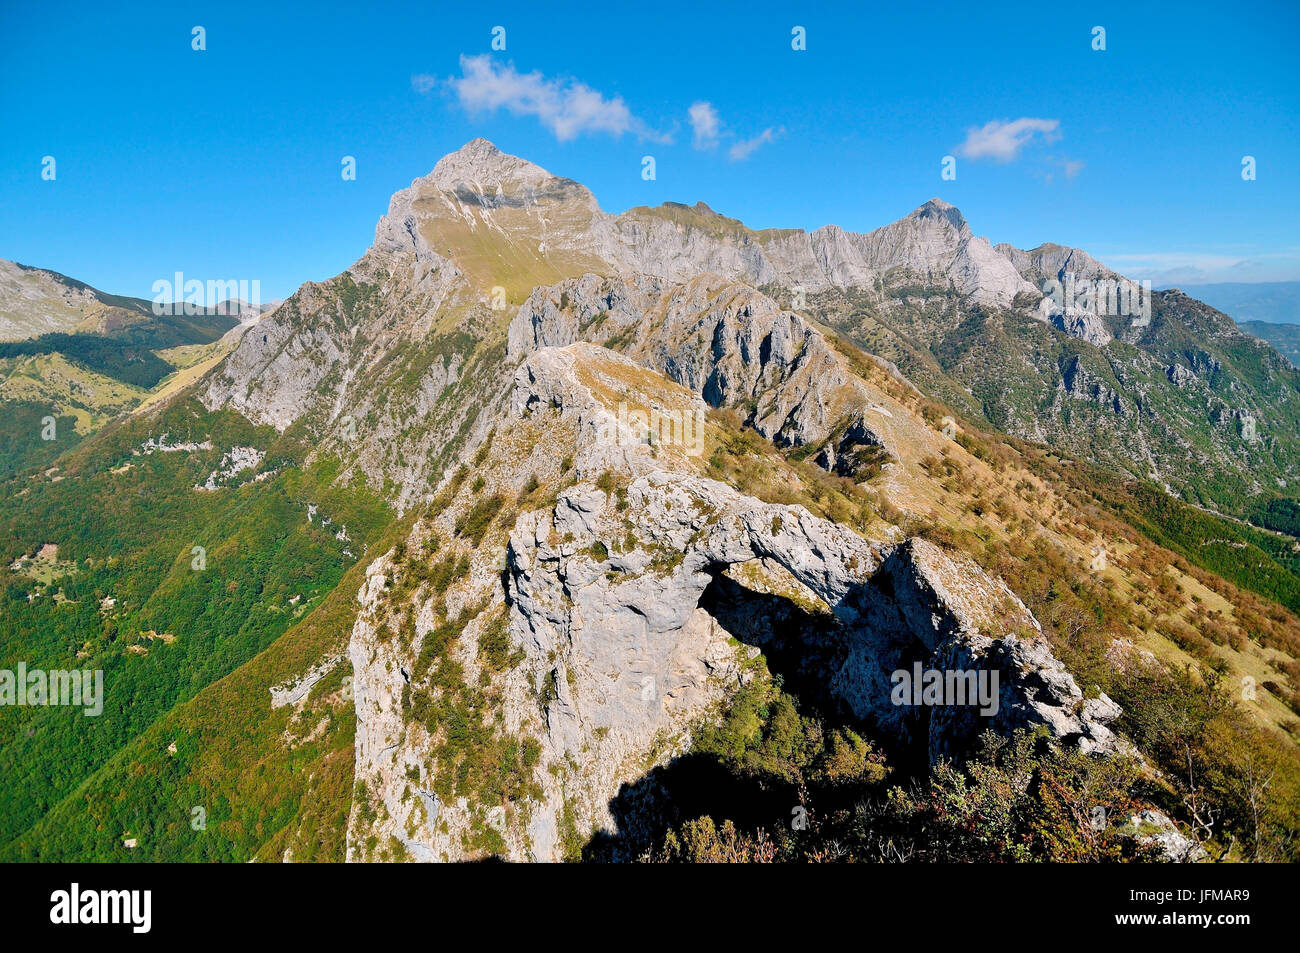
[
  {"x": 938, "y": 208},
  {"x": 502, "y": 220},
  {"x": 480, "y": 167},
  {"x": 478, "y": 146}
]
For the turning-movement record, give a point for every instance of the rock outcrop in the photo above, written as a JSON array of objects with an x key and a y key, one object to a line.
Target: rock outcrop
[
  {"x": 633, "y": 602},
  {"x": 1153, "y": 828},
  {"x": 727, "y": 342},
  {"x": 893, "y": 606}
]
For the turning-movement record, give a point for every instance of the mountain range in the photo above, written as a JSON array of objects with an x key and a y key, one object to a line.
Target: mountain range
[{"x": 545, "y": 533}]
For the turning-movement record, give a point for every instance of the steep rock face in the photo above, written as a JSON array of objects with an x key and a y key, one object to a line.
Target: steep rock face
[
  {"x": 627, "y": 630},
  {"x": 607, "y": 598},
  {"x": 479, "y": 199},
  {"x": 676, "y": 248},
  {"x": 366, "y": 366},
  {"x": 970, "y": 622},
  {"x": 1078, "y": 323},
  {"x": 927, "y": 610},
  {"x": 631, "y": 607},
  {"x": 1067, "y": 266},
  {"x": 726, "y": 341},
  {"x": 273, "y": 376},
  {"x": 1050, "y": 260},
  {"x": 934, "y": 242},
  {"x": 592, "y": 306},
  {"x": 882, "y": 594}
]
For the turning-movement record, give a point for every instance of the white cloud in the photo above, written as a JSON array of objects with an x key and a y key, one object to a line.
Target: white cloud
[
  {"x": 567, "y": 107},
  {"x": 1069, "y": 167},
  {"x": 423, "y": 83},
  {"x": 745, "y": 148},
  {"x": 704, "y": 125},
  {"x": 1002, "y": 140},
  {"x": 708, "y": 131}
]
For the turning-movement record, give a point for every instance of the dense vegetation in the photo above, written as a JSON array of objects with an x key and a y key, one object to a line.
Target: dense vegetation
[
  {"x": 126, "y": 354},
  {"x": 771, "y": 782},
  {"x": 22, "y": 444},
  {"x": 130, "y": 594},
  {"x": 1193, "y": 396}
]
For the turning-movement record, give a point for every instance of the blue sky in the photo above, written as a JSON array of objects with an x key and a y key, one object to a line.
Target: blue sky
[{"x": 225, "y": 163}]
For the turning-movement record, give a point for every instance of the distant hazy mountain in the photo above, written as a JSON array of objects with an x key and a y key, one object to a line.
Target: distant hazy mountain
[
  {"x": 1277, "y": 302},
  {"x": 1284, "y": 337}
]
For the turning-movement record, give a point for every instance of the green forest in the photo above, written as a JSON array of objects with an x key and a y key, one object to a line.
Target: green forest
[{"x": 165, "y": 587}]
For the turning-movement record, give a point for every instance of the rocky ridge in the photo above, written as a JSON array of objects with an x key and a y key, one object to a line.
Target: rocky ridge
[
  {"x": 629, "y": 588},
  {"x": 628, "y": 625},
  {"x": 480, "y": 189},
  {"x": 488, "y": 240},
  {"x": 35, "y": 301},
  {"x": 729, "y": 343}
]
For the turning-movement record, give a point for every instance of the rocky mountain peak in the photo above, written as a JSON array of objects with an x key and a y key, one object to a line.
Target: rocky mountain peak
[
  {"x": 489, "y": 212},
  {"x": 937, "y": 208},
  {"x": 1050, "y": 260},
  {"x": 481, "y": 207},
  {"x": 479, "y": 149},
  {"x": 480, "y": 167}
]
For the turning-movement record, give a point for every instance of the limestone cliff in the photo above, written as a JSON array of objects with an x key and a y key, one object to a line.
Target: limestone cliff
[{"x": 630, "y": 604}]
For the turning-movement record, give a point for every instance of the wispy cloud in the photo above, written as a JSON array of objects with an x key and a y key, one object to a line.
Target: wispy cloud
[
  {"x": 423, "y": 83},
  {"x": 1068, "y": 167},
  {"x": 704, "y": 125},
  {"x": 1002, "y": 140},
  {"x": 745, "y": 148},
  {"x": 708, "y": 131},
  {"x": 565, "y": 106}
]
